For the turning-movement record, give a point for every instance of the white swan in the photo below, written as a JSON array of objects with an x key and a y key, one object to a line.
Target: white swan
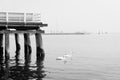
[
  {"x": 64, "y": 57},
  {"x": 68, "y": 55},
  {"x": 61, "y": 58}
]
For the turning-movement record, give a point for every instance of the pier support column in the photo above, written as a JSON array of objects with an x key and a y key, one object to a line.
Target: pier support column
[
  {"x": 27, "y": 45},
  {"x": 1, "y": 46},
  {"x": 7, "y": 46},
  {"x": 39, "y": 50},
  {"x": 17, "y": 42},
  {"x": 17, "y": 45}
]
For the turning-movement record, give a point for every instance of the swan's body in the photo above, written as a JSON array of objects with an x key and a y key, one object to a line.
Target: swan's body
[
  {"x": 60, "y": 58},
  {"x": 64, "y": 57}
]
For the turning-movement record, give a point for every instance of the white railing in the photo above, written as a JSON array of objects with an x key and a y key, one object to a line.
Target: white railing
[{"x": 19, "y": 17}]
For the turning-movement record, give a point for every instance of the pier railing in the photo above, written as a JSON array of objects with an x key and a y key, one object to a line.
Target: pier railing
[{"x": 19, "y": 17}]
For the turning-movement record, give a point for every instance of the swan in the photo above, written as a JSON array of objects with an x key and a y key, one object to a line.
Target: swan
[
  {"x": 61, "y": 58},
  {"x": 64, "y": 57},
  {"x": 67, "y": 55}
]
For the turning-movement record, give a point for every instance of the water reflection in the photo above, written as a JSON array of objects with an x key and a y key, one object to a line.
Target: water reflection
[
  {"x": 2, "y": 69},
  {"x": 15, "y": 70}
]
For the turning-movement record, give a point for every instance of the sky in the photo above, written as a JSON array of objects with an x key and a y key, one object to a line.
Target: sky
[{"x": 71, "y": 15}]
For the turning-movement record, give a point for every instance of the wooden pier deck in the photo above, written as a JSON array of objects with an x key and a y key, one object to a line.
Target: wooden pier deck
[
  {"x": 12, "y": 31},
  {"x": 20, "y": 21}
]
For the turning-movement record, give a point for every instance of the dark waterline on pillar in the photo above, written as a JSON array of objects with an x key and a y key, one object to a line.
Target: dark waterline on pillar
[
  {"x": 17, "y": 43},
  {"x": 40, "y": 54}
]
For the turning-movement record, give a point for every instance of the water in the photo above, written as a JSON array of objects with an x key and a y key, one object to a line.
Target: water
[{"x": 94, "y": 57}]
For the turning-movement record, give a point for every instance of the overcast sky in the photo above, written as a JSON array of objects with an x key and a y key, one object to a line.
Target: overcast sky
[{"x": 71, "y": 15}]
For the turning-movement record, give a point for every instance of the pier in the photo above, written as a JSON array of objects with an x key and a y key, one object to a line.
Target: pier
[{"x": 17, "y": 24}]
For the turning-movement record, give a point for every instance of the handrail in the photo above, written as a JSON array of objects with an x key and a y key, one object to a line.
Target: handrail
[{"x": 19, "y": 17}]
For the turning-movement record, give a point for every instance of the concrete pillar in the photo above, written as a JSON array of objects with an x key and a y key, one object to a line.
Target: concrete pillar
[
  {"x": 27, "y": 45},
  {"x": 17, "y": 45},
  {"x": 7, "y": 46},
  {"x": 39, "y": 50}
]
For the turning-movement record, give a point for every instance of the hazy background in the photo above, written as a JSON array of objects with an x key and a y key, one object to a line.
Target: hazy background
[{"x": 71, "y": 15}]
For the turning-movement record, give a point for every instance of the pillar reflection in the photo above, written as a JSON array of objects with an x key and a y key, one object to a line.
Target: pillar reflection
[{"x": 27, "y": 71}]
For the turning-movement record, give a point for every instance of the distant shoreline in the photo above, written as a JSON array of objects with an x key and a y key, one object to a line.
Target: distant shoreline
[{"x": 66, "y": 33}]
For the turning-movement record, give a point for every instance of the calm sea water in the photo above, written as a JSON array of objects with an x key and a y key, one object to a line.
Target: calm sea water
[{"x": 94, "y": 57}]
